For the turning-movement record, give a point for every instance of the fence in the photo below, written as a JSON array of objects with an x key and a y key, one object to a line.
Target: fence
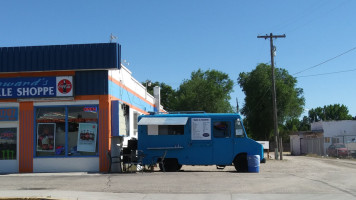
[{"x": 312, "y": 146}]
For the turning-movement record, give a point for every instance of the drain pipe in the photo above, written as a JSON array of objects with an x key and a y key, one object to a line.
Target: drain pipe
[{"x": 157, "y": 96}]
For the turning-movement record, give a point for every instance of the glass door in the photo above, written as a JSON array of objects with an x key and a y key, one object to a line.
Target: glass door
[{"x": 8, "y": 148}]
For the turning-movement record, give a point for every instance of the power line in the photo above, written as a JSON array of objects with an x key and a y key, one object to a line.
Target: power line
[
  {"x": 328, "y": 60},
  {"x": 300, "y": 17},
  {"x": 316, "y": 17},
  {"x": 337, "y": 72}
]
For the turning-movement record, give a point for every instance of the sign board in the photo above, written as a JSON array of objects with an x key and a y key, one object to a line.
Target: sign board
[
  {"x": 8, "y": 135},
  {"x": 265, "y": 144},
  {"x": 36, "y": 87},
  {"x": 201, "y": 129},
  {"x": 87, "y": 137},
  {"x": 9, "y": 114}
]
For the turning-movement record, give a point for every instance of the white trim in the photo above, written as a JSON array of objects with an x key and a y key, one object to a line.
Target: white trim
[
  {"x": 74, "y": 164},
  {"x": 9, "y": 104},
  {"x": 163, "y": 121},
  {"x": 61, "y": 103}
]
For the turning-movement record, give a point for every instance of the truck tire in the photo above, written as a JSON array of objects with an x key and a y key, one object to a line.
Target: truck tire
[{"x": 240, "y": 163}]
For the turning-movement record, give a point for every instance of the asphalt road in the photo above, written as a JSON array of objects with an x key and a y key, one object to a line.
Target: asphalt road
[{"x": 293, "y": 178}]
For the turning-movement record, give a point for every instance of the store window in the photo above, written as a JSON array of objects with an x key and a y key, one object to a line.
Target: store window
[
  {"x": 82, "y": 130},
  {"x": 8, "y": 143},
  {"x": 221, "y": 129},
  {"x": 67, "y": 131},
  {"x": 50, "y": 131}
]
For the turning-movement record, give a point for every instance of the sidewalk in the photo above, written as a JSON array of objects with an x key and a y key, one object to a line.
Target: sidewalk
[{"x": 75, "y": 195}]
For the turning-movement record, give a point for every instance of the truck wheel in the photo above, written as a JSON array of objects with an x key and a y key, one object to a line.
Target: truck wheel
[{"x": 240, "y": 163}]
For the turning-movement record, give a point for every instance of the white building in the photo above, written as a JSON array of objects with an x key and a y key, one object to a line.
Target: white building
[{"x": 322, "y": 135}]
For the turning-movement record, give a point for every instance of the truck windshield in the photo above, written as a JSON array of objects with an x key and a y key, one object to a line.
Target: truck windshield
[{"x": 239, "y": 132}]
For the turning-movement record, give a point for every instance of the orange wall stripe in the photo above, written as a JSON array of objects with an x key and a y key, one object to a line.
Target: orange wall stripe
[
  {"x": 8, "y": 100},
  {"x": 88, "y": 97},
  {"x": 129, "y": 90},
  {"x": 26, "y": 137},
  {"x": 131, "y": 106},
  {"x": 37, "y": 74}
]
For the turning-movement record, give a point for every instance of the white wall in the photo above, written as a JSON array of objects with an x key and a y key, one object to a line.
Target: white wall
[
  {"x": 335, "y": 128},
  {"x": 75, "y": 164},
  {"x": 295, "y": 144},
  {"x": 316, "y": 126},
  {"x": 124, "y": 76}
]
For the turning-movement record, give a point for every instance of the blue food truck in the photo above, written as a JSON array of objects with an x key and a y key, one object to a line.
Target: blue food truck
[{"x": 173, "y": 140}]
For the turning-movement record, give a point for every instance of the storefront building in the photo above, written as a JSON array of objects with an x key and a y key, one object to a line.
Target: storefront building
[{"x": 62, "y": 106}]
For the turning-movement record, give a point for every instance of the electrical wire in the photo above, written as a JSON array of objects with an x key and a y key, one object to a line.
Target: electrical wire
[
  {"x": 328, "y": 60},
  {"x": 337, "y": 72},
  {"x": 317, "y": 17},
  {"x": 300, "y": 16}
]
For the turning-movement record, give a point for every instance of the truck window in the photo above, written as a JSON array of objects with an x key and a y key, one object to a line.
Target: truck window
[
  {"x": 165, "y": 129},
  {"x": 221, "y": 129},
  {"x": 239, "y": 132}
]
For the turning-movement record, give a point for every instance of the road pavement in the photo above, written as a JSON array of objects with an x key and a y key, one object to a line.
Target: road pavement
[{"x": 293, "y": 178}]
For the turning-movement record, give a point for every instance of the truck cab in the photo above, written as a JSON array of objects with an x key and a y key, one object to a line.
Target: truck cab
[{"x": 174, "y": 140}]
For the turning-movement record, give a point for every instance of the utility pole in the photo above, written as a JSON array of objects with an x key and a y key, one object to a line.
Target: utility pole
[{"x": 274, "y": 99}]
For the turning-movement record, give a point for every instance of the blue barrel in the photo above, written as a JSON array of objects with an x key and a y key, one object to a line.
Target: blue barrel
[{"x": 253, "y": 163}]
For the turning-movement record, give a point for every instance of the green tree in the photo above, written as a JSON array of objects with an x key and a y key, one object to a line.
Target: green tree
[
  {"x": 304, "y": 124},
  {"x": 329, "y": 112},
  {"x": 293, "y": 125},
  {"x": 168, "y": 95},
  {"x": 207, "y": 91},
  {"x": 258, "y": 107}
]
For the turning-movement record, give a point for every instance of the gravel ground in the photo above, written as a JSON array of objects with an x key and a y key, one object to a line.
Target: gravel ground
[{"x": 296, "y": 177}]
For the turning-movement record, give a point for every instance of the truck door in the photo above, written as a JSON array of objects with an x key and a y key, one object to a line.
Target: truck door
[
  {"x": 200, "y": 147},
  {"x": 223, "y": 145}
]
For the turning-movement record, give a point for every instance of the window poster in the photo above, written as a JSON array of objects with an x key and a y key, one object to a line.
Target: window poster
[
  {"x": 8, "y": 141},
  {"x": 46, "y": 133},
  {"x": 87, "y": 137},
  {"x": 201, "y": 129}
]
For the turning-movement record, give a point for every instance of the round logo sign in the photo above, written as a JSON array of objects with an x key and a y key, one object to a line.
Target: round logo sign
[{"x": 64, "y": 86}]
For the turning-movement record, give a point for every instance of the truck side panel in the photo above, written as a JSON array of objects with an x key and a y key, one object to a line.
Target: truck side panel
[{"x": 219, "y": 147}]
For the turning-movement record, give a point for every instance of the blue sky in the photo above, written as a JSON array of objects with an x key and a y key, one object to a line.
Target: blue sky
[{"x": 166, "y": 40}]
